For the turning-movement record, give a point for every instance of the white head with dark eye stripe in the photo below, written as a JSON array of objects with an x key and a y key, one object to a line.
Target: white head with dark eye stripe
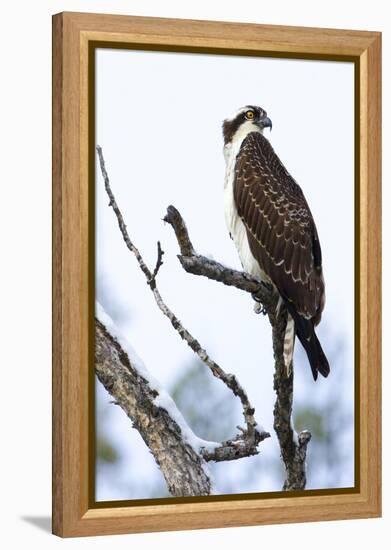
[{"x": 250, "y": 118}]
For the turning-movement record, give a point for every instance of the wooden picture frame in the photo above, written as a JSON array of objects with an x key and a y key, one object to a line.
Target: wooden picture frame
[{"x": 75, "y": 35}]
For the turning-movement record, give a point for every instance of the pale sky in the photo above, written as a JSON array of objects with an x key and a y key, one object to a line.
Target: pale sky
[{"x": 158, "y": 120}]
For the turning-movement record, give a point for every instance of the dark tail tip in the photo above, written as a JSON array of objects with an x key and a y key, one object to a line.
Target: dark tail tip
[
  {"x": 322, "y": 364},
  {"x": 306, "y": 333},
  {"x": 316, "y": 357}
]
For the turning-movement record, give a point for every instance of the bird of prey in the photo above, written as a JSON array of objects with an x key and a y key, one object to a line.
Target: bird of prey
[{"x": 273, "y": 229}]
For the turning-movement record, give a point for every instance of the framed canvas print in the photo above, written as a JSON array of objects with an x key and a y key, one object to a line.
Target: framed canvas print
[{"x": 216, "y": 274}]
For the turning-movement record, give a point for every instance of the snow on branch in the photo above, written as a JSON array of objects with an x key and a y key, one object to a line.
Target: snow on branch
[{"x": 152, "y": 413}]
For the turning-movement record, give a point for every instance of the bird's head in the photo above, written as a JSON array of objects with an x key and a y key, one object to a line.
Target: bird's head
[{"x": 249, "y": 118}]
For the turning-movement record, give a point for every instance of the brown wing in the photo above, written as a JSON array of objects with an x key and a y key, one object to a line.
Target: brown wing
[{"x": 280, "y": 227}]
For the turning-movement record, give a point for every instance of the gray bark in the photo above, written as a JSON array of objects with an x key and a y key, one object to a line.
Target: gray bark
[
  {"x": 182, "y": 467},
  {"x": 293, "y": 449}
]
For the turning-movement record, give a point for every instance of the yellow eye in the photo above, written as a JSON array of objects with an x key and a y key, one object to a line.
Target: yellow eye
[{"x": 250, "y": 115}]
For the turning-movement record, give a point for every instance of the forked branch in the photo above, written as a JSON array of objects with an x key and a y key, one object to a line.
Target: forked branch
[{"x": 244, "y": 443}]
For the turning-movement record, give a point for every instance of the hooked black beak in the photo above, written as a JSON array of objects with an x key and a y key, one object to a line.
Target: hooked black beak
[{"x": 266, "y": 123}]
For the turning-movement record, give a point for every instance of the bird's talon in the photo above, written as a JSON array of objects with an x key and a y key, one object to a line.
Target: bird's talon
[{"x": 258, "y": 308}]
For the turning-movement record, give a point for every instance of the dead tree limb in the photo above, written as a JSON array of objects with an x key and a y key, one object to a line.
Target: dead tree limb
[
  {"x": 244, "y": 443},
  {"x": 293, "y": 447},
  {"x": 293, "y": 450},
  {"x": 182, "y": 467}
]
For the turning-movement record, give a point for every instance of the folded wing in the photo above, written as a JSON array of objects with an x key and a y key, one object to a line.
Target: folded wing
[{"x": 280, "y": 227}]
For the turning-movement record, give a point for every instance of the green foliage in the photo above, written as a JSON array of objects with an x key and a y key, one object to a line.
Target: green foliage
[
  {"x": 105, "y": 451},
  {"x": 207, "y": 405},
  {"x": 310, "y": 418}
]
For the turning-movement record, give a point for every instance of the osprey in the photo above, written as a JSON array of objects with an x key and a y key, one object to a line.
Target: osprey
[{"x": 273, "y": 229}]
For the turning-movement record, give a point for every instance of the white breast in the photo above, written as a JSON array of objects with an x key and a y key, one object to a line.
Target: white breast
[{"x": 234, "y": 224}]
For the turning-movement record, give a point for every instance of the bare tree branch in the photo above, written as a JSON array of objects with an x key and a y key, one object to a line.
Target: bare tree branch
[
  {"x": 293, "y": 450},
  {"x": 293, "y": 453},
  {"x": 159, "y": 263},
  {"x": 244, "y": 444},
  {"x": 201, "y": 265},
  {"x": 182, "y": 467}
]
